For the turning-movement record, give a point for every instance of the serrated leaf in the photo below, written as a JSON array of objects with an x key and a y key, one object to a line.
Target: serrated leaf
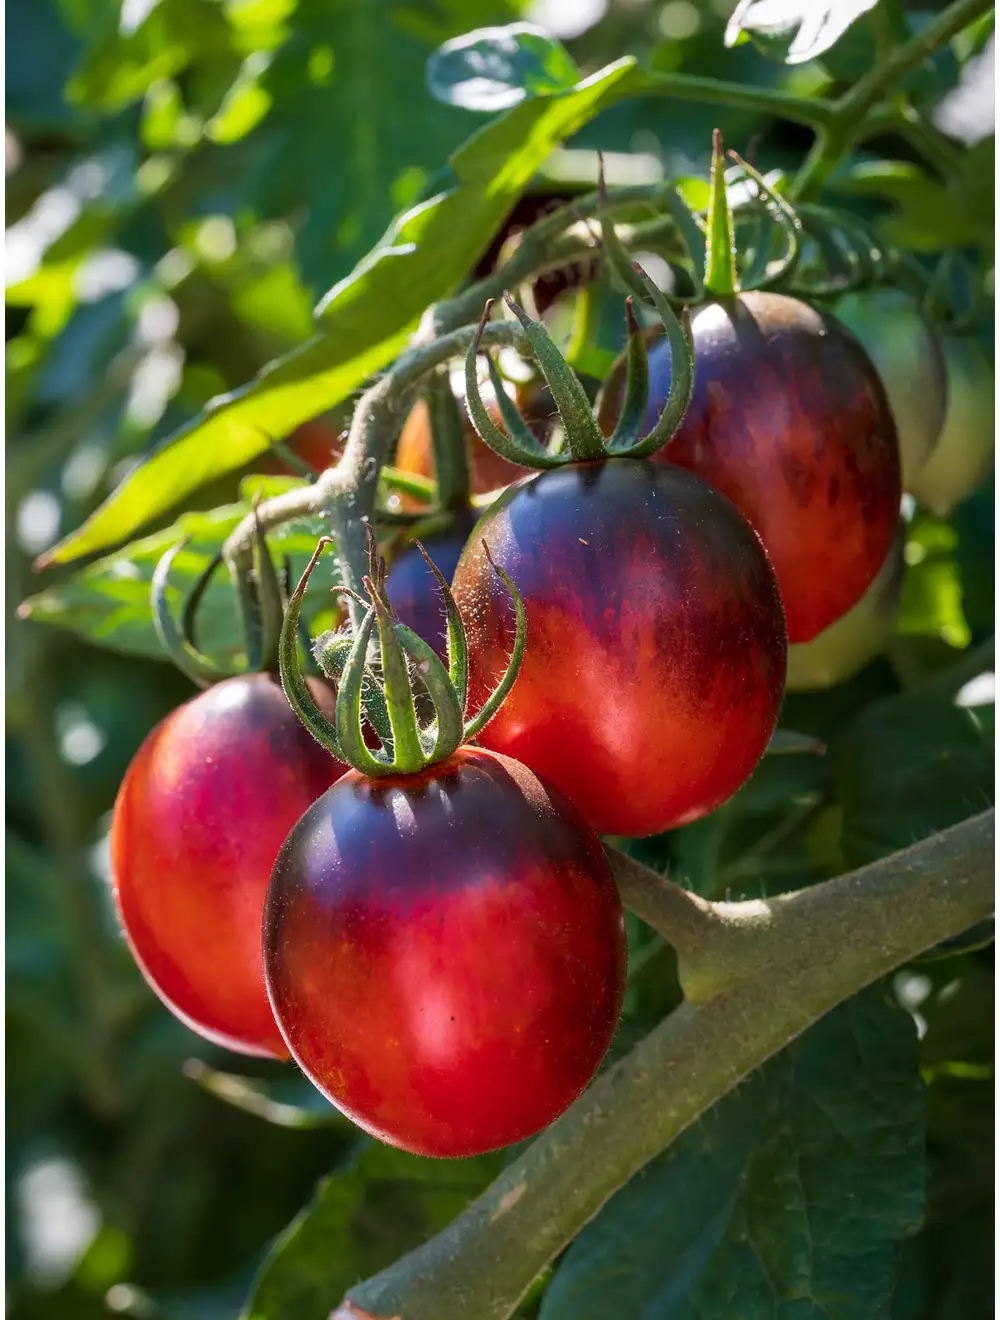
[
  {"x": 109, "y": 601},
  {"x": 366, "y": 319},
  {"x": 909, "y": 766},
  {"x": 785, "y": 1201},
  {"x": 794, "y": 31},
  {"x": 494, "y": 68},
  {"x": 382, "y": 1203}
]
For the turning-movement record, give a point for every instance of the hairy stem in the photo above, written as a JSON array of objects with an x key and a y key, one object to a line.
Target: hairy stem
[{"x": 788, "y": 961}]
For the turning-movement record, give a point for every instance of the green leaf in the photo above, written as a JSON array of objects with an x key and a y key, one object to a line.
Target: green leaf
[
  {"x": 292, "y": 1102},
  {"x": 108, "y": 602},
  {"x": 382, "y": 1203},
  {"x": 366, "y": 319},
  {"x": 786, "y": 1200},
  {"x": 494, "y": 68},
  {"x": 794, "y": 31},
  {"x": 910, "y": 765}
]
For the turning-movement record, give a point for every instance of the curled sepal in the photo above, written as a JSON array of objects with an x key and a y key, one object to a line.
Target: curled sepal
[
  {"x": 458, "y": 649},
  {"x": 270, "y": 604},
  {"x": 520, "y": 446},
  {"x": 636, "y": 385},
  {"x": 496, "y": 699},
  {"x": 196, "y": 595},
  {"x": 692, "y": 235},
  {"x": 720, "y": 255},
  {"x": 678, "y": 334},
  {"x": 446, "y": 733},
  {"x": 767, "y": 274},
  {"x": 292, "y": 679},
  {"x": 190, "y": 661},
  {"x": 408, "y": 750},
  {"x": 349, "y": 705},
  {"x": 583, "y": 436}
]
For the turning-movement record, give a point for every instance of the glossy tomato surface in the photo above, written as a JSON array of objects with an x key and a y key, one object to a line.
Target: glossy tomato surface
[
  {"x": 200, "y": 816},
  {"x": 414, "y": 590},
  {"x": 790, "y": 421},
  {"x": 445, "y": 953},
  {"x": 655, "y": 660}
]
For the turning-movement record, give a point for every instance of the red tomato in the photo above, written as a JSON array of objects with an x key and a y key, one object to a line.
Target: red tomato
[
  {"x": 199, "y": 819},
  {"x": 655, "y": 662},
  {"x": 445, "y": 953},
  {"x": 318, "y": 443},
  {"x": 789, "y": 420}
]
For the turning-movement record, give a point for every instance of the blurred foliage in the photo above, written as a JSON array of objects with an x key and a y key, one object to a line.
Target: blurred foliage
[{"x": 185, "y": 180}]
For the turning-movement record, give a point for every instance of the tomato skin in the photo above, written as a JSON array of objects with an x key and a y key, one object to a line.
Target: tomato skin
[
  {"x": 907, "y": 354},
  {"x": 790, "y": 421},
  {"x": 655, "y": 661},
  {"x": 963, "y": 454},
  {"x": 445, "y": 953},
  {"x": 413, "y": 588},
  {"x": 198, "y": 821},
  {"x": 318, "y": 443}
]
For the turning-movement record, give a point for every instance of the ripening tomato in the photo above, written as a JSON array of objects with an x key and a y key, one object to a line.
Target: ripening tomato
[
  {"x": 200, "y": 816},
  {"x": 963, "y": 454},
  {"x": 319, "y": 443},
  {"x": 790, "y": 421},
  {"x": 413, "y": 588},
  {"x": 445, "y": 953},
  {"x": 907, "y": 354},
  {"x": 858, "y": 636},
  {"x": 655, "y": 662}
]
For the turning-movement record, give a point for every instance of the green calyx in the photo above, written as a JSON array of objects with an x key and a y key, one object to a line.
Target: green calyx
[
  {"x": 386, "y": 675},
  {"x": 720, "y": 252},
  {"x": 584, "y": 440},
  {"x": 262, "y": 596}
]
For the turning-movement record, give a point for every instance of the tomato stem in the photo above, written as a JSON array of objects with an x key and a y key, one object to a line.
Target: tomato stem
[{"x": 720, "y": 259}]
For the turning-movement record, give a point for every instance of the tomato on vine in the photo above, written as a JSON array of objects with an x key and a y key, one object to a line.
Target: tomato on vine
[{"x": 443, "y": 940}]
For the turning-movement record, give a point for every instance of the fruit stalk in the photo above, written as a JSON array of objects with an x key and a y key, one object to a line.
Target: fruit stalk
[{"x": 769, "y": 970}]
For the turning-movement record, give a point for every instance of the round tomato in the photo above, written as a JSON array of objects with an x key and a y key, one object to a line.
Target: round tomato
[
  {"x": 655, "y": 662},
  {"x": 908, "y": 357},
  {"x": 857, "y": 637},
  {"x": 199, "y": 818},
  {"x": 413, "y": 588},
  {"x": 789, "y": 420},
  {"x": 445, "y": 953},
  {"x": 318, "y": 443},
  {"x": 963, "y": 454}
]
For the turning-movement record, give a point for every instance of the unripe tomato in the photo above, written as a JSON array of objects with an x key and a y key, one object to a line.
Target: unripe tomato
[
  {"x": 857, "y": 637},
  {"x": 908, "y": 357},
  {"x": 655, "y": 662},
  {"x": 445, "y": 953},
  {"x": 790, "y": 421},
  {"x": 199, "y": 818},
  {"x": 963, "y": 454},
  {"x": 413, "y": 588}
]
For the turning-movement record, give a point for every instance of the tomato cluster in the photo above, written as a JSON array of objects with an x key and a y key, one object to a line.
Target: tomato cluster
[{"x": 443, "y": 945}]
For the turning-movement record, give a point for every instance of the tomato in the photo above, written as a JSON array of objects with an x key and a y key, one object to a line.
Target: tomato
[
  {"x": 963, "y": 454},
  {"x": 199, "y": 818},
  {"x": 908, "y": 357},
  {"x": 791, "y": 422},
  {"x": 413, "y": 588},
  {"x": 445, "y": 953},
  {"x": 655, "y": 662},
  {"x": 318, "y": 443},
  {"x": 857, "y": 637}
]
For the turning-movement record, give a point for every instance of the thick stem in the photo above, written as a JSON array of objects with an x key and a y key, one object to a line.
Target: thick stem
[{"x": 795, "y": 958}]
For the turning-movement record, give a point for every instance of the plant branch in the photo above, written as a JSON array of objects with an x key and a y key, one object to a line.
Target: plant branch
[{"x": 789, "y": 960}]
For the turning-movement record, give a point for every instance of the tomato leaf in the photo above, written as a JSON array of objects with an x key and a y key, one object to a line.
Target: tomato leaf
[
  {"x": 366, "y": 319},
  {"x": 381, "y": 1203},
  {"x": 793, "y": 31},
  {"x": 788, "y": 1197},
  {"x": 109, "y": 603},
  {"x": 494, "y": 68}
]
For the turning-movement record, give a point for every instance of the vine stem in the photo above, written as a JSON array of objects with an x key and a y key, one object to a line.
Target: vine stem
[
  {"x": 756, "y": 975},
  {"x": 849, "y": 119}
]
